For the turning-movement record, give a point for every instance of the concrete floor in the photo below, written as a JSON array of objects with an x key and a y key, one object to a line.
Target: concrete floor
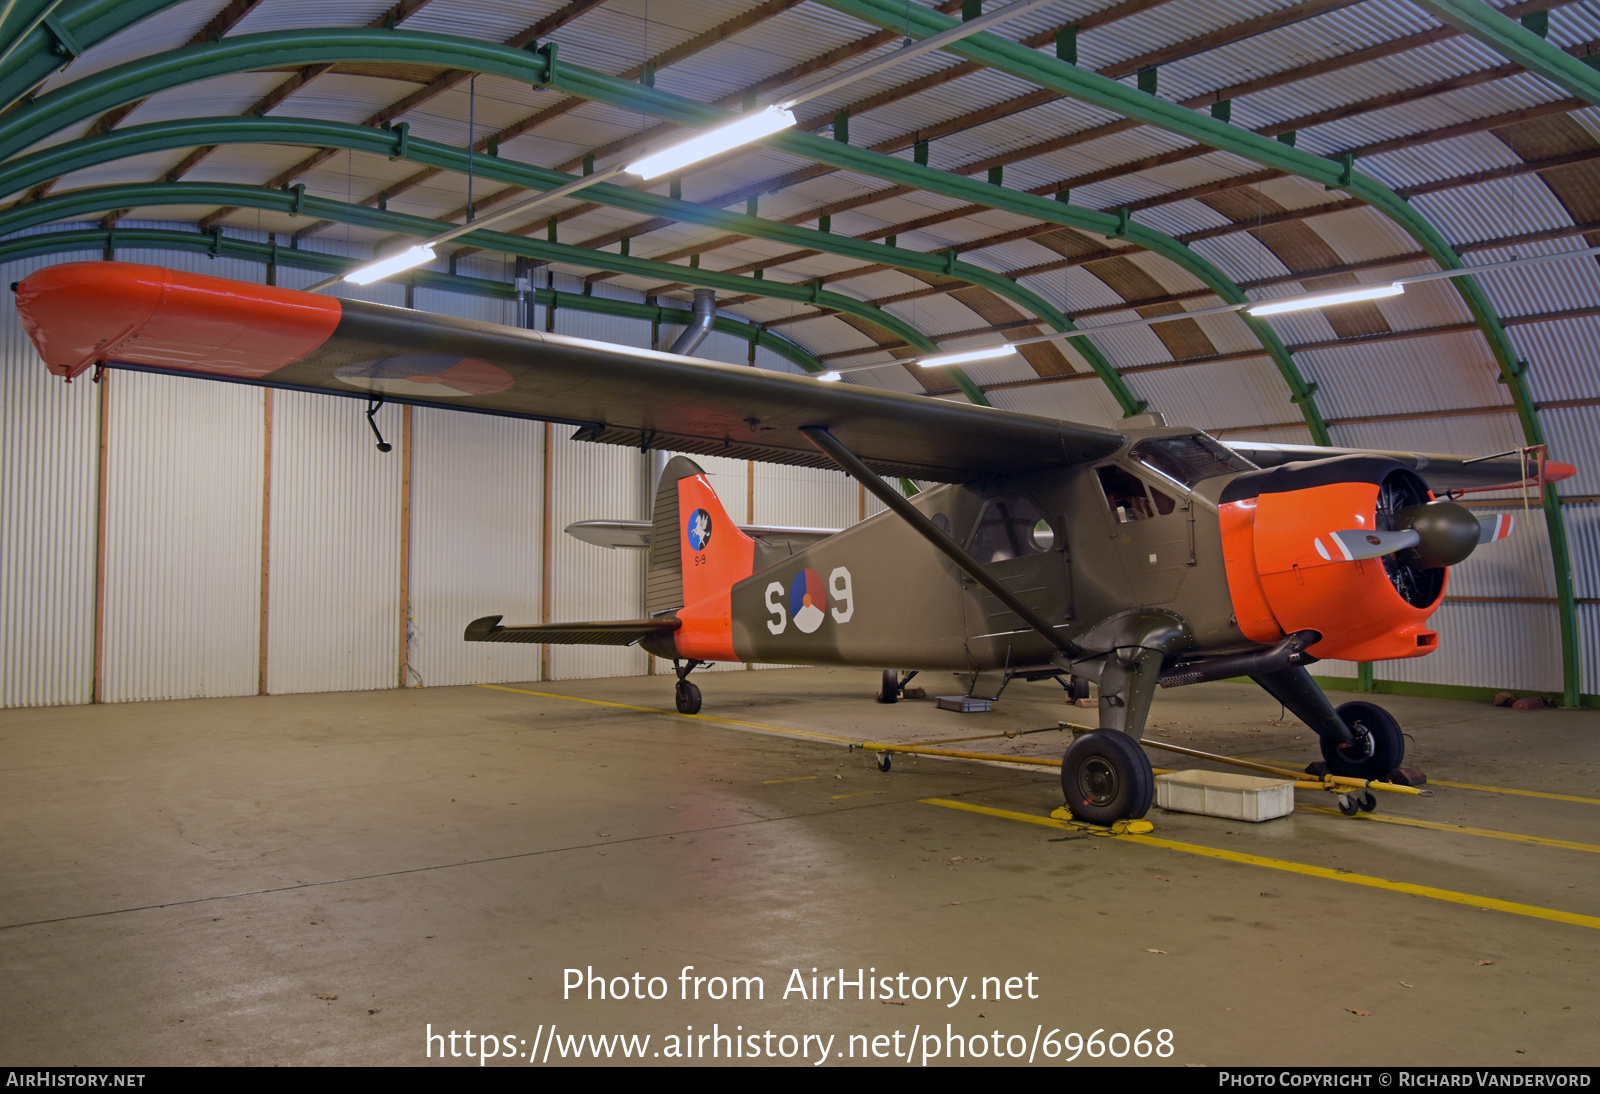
[{"x": 319, "y": 879}]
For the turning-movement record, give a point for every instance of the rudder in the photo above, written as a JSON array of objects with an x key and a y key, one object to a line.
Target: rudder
[{"x": 696, "y": 555}]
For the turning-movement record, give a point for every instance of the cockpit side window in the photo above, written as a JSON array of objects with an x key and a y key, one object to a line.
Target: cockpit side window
[
  {"x": 1010, "y": 528},
  {"x": 1125, "y": 494}
]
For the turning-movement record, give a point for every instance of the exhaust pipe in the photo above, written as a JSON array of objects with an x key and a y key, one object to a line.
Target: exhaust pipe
[{"x": 1290, "y": 651}]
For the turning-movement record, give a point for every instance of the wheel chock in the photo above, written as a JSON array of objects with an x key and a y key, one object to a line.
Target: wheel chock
[
  {"x": 1408, "y": 776},
  {"x": 1123, "y": 827}
]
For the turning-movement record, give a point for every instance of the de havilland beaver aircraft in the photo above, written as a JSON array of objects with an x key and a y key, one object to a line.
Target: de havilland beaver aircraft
[{"x": 1135, "y": 558}]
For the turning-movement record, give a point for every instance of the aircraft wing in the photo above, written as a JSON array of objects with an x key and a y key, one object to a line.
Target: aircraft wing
[
  {"x": 1440, "y": 472},
  {"x": 82, "y": 314}
]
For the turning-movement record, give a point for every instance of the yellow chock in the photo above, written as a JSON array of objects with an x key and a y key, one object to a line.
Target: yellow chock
[{"x": 1118, "y": 828}]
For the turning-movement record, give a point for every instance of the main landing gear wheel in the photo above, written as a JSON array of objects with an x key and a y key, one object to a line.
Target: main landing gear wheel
[
  {"x": 1106, "y": 777},
  {"x": 1379, "y": 746},
  {"x": 688, "y": 698},
  {"x": 891, "y": 686}
]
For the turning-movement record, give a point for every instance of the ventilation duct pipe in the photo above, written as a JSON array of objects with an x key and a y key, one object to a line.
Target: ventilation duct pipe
[{"x": 704, "y": 313}]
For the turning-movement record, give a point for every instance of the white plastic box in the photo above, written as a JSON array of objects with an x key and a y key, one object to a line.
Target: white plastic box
[{"x": 1224, "y": 794}]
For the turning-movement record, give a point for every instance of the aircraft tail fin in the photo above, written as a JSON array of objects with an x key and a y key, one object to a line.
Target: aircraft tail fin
[{"x": 696, "y": 555}]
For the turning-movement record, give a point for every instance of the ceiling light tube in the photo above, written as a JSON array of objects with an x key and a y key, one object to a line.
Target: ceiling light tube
[
  {"x": 962, "y": 358},
  {"x": 1326, "y": 300},
  {"x": 377, "y": 271},
  {"x": 742, "y": 130},
  {"x": 829, "y": 377}
]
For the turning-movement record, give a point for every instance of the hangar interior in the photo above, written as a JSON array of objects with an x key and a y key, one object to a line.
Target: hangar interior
[{"x": 226, "y": 553}]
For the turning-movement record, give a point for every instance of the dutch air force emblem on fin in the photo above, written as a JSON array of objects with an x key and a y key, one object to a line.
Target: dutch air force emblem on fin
[
  {"x": 807, "y": 600},
  {"x": 699, "y": 529}
]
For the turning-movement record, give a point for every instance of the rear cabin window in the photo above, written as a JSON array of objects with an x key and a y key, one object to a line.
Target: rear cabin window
[{"x": 1010, "y": 528}]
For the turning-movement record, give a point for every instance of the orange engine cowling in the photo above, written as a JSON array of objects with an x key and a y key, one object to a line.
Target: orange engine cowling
[{"x": 1280, "y": 582}]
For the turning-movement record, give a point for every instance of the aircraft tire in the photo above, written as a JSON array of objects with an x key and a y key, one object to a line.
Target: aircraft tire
[
  {"x": 1385, "y": 744},
  {"x": 688, "y": 698},
  {"x": 1106, "y": 777},
  {"x": 891, "y": 686}
]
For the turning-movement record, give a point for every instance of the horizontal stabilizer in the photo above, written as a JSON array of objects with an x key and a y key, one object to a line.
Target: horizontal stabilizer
[
  {"x": 636, "y": 533},
  {"x": 623, "y": 632}
]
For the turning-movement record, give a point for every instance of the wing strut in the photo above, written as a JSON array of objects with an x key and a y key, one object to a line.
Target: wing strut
[{"x": 930, "y": 532}]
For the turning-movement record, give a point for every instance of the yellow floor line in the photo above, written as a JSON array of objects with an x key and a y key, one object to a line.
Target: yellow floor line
[
  {"x": 1449, "y": 895},
  {"x": 801, "y": 779},
  {"x": 662, "y": 710},
  {"x": 1439, "y": 826},
  {"x": 1476, "y": 786},
  {"x": 857, "y": 794},
  {"x": 1510, "y": 790}
]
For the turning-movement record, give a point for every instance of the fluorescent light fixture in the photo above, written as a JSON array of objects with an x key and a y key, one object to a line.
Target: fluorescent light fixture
[
  {"x": 742, "y": 130},
  {"x": 1327, "y": 300},
  {"x": 829, "y": 377},
  {"x": 983, "y": 354},
  {"x": 377, "y": 271}
]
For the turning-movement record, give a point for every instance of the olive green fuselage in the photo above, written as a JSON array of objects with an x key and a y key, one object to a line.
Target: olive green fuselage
[{"x": 1056, "y": 539}]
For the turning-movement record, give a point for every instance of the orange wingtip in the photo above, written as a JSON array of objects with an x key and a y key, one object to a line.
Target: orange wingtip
[
  {"x": 1555, "y": 470},
  {"x": 83, "y": 313}
]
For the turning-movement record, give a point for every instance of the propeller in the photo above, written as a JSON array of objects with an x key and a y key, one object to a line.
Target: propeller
[{"x": 1416, "y": 538}]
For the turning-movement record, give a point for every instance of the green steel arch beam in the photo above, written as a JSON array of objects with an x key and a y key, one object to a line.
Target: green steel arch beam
[
  {"x": 100, "y": 239},
  {"x": 150, "y": 75},
  {"x": 79, "y": 203},
  {"x": 49, "y": 45},
  {"x": 56, "y": 160},
  {"x": 1047, "y": 72},
  {"x": 1515, "y": 42}
]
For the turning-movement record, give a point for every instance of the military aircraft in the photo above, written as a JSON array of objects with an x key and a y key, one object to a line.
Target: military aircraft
[{"x": 1136, "y": 558}]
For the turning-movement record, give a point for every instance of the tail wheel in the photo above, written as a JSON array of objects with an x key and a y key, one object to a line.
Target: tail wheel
[
  {"x": 688, "y": 698},
  {"x": 891, "y": 686},
  {"x": 1379, "y": 746},
  {"x": 1106, "y": 777}
]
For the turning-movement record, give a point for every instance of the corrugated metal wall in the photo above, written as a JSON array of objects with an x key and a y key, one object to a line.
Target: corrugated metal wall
[
  {"x": 49, "y": 441},
  {"x": 477, "y": 505},
  {"x": 592, "y": 482},
  {"x": 333, "y": 547},
  {"x": 183, "y": 538}
]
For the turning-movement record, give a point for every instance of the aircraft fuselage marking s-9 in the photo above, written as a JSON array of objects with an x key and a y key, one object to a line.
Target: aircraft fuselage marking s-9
[{"x": 808, "y": 605}]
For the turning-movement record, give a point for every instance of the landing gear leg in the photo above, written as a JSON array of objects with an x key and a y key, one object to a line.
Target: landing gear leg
[
  {"x": 1127, "y": 685},
  {"x": 1105, "y": 775},
  {"x": 1300, "y": 695},
  {"x": 688, "y": 695}
]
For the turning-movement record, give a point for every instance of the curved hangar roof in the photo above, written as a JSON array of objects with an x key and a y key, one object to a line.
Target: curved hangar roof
[{"x": 1081, "y": 164}]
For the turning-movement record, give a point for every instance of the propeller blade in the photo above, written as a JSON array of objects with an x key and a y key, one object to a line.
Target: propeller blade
[
  {"x": 1353, "y": 544},
  {"x": 1495, "y": 527}
]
